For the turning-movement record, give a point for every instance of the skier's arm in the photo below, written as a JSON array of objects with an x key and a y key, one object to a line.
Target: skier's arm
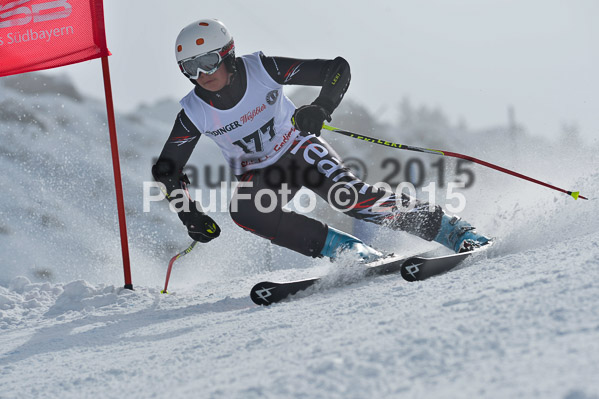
[
  {"x": 332, "y": 75},
  {"x": 168, "y": 170}
]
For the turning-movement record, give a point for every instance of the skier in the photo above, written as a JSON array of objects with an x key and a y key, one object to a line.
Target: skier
[{"x": 269, "y": 144}]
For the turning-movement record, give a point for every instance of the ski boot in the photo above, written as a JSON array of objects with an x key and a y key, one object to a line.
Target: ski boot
[
  {"x": 459, "y": 236},
  {"x": 338, "y": 241}
]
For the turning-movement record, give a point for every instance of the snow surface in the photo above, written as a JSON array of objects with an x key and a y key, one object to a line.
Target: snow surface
[{"x": 522, "y": 321}]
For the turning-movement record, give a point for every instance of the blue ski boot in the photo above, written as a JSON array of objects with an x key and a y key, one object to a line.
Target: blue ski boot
[
  {"x": 459, "y": 236},
  {"x": 338, "y": 241}
]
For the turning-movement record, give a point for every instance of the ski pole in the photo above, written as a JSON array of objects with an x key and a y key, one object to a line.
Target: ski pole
[
  {"x": 575, "y": 194},
  {"x": 170, "y": 264}
]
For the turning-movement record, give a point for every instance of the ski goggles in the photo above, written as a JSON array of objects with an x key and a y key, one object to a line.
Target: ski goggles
[{"x": 206, "y": 63}]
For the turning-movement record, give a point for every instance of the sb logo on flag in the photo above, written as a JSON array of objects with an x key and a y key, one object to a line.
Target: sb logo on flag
[{"x": 17, "y": 13}]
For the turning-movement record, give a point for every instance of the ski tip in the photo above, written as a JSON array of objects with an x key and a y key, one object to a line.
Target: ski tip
[
  {"x": 262, "y": 292},
  {"x": 410, "y": 269}
]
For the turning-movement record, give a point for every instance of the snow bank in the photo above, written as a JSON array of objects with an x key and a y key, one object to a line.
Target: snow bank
[
  {"x": 25, "y": 303},
  {"x": 518, "y": 325}
]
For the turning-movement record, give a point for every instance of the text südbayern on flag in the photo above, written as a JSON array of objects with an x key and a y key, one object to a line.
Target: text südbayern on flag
[{"x": 42, "y": 34}]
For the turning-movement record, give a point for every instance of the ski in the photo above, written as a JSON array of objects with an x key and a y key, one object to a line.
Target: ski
[
  {"x": 267, "y": 292},
  {"x": 420, "y": 268},
  {"x": 415, "y": 268}
]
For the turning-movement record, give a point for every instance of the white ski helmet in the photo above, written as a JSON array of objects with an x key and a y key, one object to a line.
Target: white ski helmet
[{"x": 202, "y": 46}]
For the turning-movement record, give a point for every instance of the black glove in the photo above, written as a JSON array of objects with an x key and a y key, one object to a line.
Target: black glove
[
  {"x": 200, "y": 226},
  {"x": 309, "y": 118}
]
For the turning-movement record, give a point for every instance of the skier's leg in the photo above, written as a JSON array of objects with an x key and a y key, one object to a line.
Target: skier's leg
[
  {"x": 253, "y": 210},
  {"x": 380, "y": 206},
  {"x": 347, "y": 193}
]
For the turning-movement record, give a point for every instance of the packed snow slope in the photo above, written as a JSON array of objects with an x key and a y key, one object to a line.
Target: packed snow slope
[{"x": 521, "y": 321}]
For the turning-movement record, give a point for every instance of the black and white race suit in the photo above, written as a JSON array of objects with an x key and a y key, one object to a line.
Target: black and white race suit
[{"x": 272, "y": 155}]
